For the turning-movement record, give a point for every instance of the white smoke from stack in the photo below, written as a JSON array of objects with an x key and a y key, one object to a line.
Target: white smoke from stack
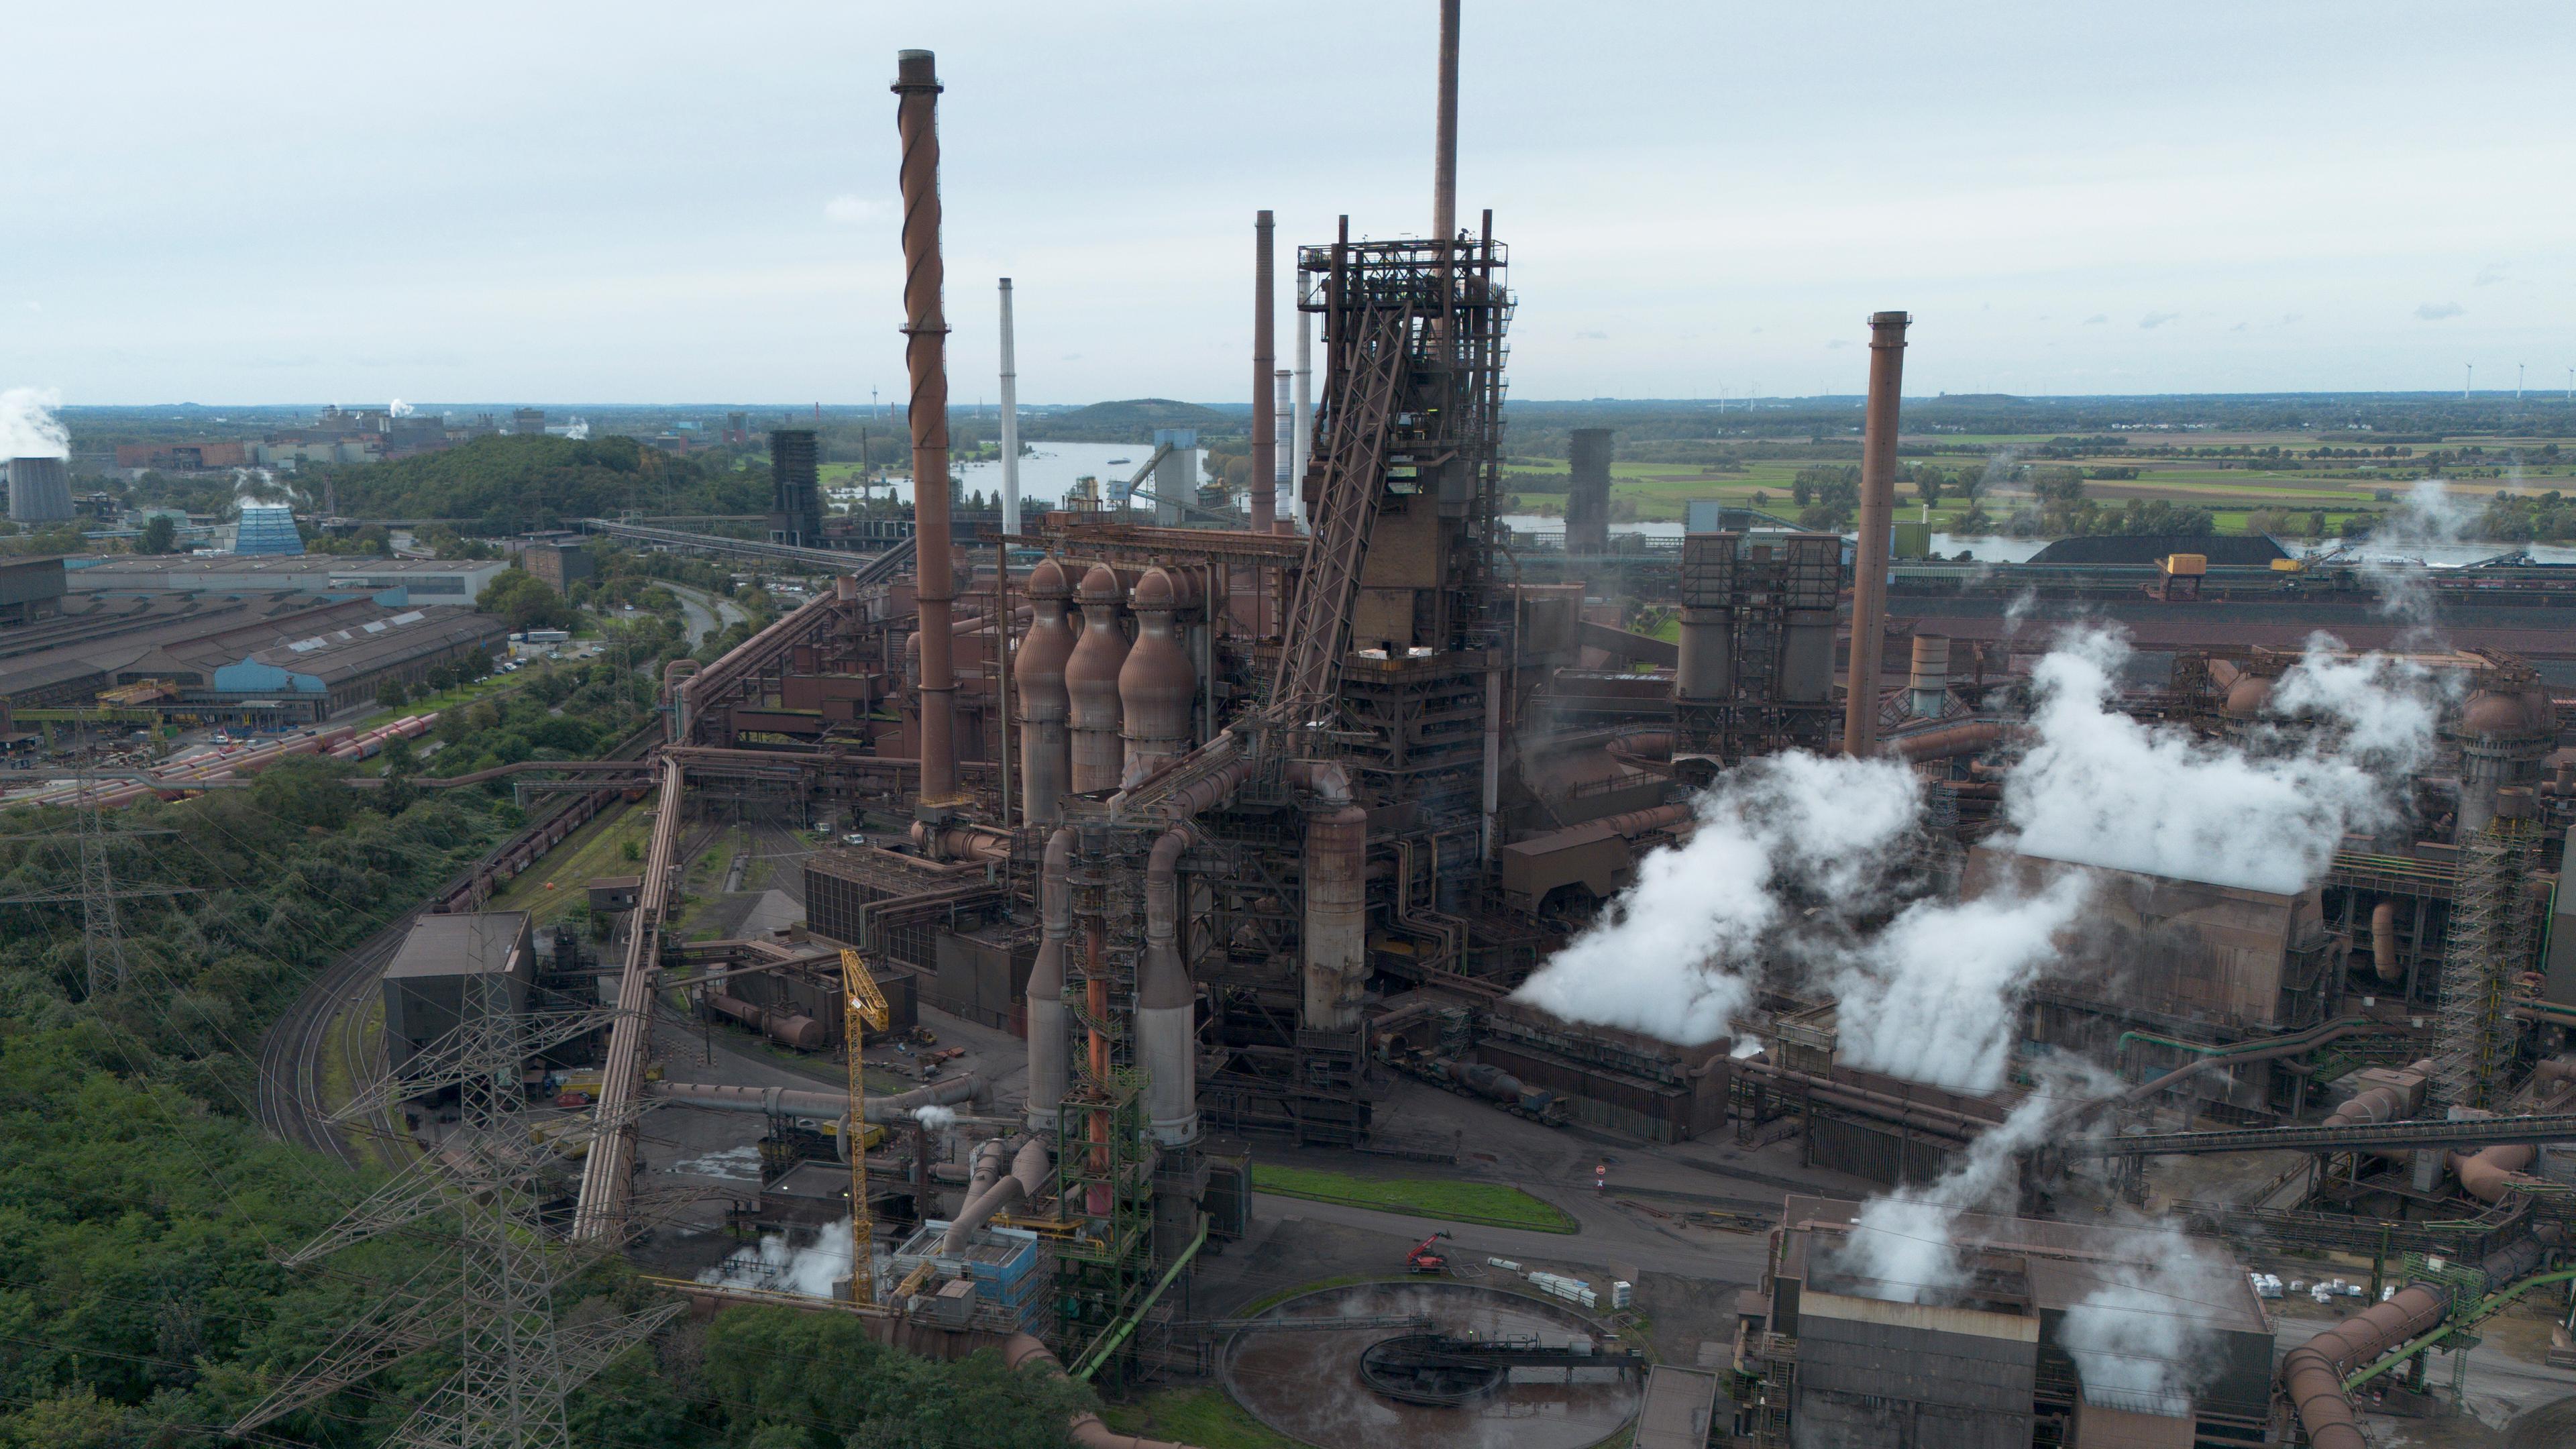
[
  {"x": 934, "y": 1117},
  {"x": 2100, "y": 788},
  {"x": 28, "y": 427},
  {"x": 1936, "y": 996},
  {"x": 2140, "y": 1341},
  {"x": 1674, "y": 956},
  {"x": 2428, "y": 517},
  {"x": 775, "y": 1266},
  {"x": 398, "y": 409},
  {"x": 1908, "y": 1243}
]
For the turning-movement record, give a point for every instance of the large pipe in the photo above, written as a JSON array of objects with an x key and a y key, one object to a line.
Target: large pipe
[
  {"x": 1166, "y": 1002},
  {"x": 2313, "y": 1373},
  {"x": 1028, "y": 1178},
  {"x": 925, "y": 330},
  {"x": 2383, "y": 943},
  {"x": 1877, "y": 507},
  {"x": 1263, "y": 441},
  {"x": 1010, "y": 422},
  {"x": 1086, "y": 1430},
  {"x": 1302, "y": 436},
  {"x": 1046, "y": 759},
  {"x": 2489, "y": 1173},
  {"x": 1336, "y": 925},
  {"x": 1048, "y": 1066},
  {"x": 1099, "y": 756},
  {"x": 1444, "y": 131},
  {"x": 1157, "y": 685}
]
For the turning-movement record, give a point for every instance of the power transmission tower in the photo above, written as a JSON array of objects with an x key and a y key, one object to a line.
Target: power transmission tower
[
  {"x": 102, "y": 932},
  {"x": 488, "y": 1296}
]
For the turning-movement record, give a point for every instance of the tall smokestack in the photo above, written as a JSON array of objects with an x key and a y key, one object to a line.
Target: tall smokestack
[
  {"x": 1264, "y": 444},
  {"x": 1444, "y": 132},
  {"x": 1877, "y": 509},
  {"x": 1301, "y": 437},
  {"x": 1283, "y": 415},
  {"x": 1010, "y": 422},
  {"x": 916, "y": 121}
]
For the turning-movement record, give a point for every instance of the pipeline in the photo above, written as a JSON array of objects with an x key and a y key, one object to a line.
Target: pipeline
[
  {"x": 794, "y": 1102},
  {"x": 2314, "y": 1373},
  {"x": 1048, "y": 1065},
  {"x": 1030, "y": 1171},
  {"x": 1166, "y": 1001},
  {"x": 2383, "y": 943},
  {"x": 1087, "y": 1429},
  {"x": 1971, "y": 738}
]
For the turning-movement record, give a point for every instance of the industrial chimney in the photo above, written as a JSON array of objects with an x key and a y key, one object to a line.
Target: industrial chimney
[
  {"x": 926, "y": 356},
  {"x": 1264, "y": 443},
  {"x": 1010, "y": 422},
  {"x": 1877, "y": 512}
]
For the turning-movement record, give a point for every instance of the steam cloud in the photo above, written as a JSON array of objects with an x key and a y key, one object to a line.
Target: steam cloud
[
  {"x": 1907, "y": 1242},
  {"x": 398, "y": 409},
  {"x": 2428, "y": 518},
  {"x": 1674, "y": 956},
  {"x": 775, "y": 1266},
  {"x": 2103, "y": 789},
  {"x": 28, "y": 427},
  {"x": 934, "y": 1117},
  {"x": 2138, "y": 1341},
  {"x": 1792, "y": 849}
]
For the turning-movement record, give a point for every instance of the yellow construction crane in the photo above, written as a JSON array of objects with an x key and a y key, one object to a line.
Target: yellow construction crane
[{"x": 862, "y": 1006}]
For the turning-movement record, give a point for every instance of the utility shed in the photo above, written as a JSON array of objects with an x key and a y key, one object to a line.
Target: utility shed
[
  {"x": 425, "y": 984},
  {"x": 1678, "y": 1408}
]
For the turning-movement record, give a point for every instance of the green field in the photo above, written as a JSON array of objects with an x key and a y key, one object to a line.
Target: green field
[
  {"x": 1205, "y": 1417},
  {"x": 2339, "y": 488},
  {"x": 561, "y": 881},
  {"x": 1489, "y": 1203}
]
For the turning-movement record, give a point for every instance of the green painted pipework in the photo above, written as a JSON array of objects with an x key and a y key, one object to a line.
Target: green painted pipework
[{"x": 2487, "y": 1308}]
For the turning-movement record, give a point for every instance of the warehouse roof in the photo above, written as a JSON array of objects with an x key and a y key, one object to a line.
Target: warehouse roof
[{"x": 461, "y": 944}]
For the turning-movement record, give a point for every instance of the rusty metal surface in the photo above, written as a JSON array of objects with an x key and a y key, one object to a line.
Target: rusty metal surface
[
  {"x": 1877, "y": 502},
  {"x": 925, "y": 354},
  {"x": 1264, "y": 444}
]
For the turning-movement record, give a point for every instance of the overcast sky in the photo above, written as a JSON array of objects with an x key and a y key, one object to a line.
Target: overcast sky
[{"x": 564, "y": 201}]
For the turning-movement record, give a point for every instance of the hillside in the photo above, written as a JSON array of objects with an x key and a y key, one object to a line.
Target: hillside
[
  {"x": 511, "y": 484},
  {"x": 1131, "y": 421}
]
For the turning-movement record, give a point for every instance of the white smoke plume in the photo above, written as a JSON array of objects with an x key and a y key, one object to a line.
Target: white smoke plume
[
  {"x": 777, "y": 1267},
  {"x": 2141, "y": 1342},
  {"x": 28, "y": 427},
  {"x": 2100, "y": 788},
  {"x": 1936, "y": 996},
  {"x": 258, "y": 485},
  {"x": 579, "y": 431},
  {"x": 2429, "y": 517},
  {"x": 934, "y": 1117},
  {"x": 398, "y": 409},
  {"x": 1908, "y": 1244},
  {"x": 1675, "y": 955}
]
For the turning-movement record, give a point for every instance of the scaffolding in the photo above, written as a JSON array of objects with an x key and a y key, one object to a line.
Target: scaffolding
[
  {"x": 1104, "y": 1187},
  {"x": 2492, "y": 924}
]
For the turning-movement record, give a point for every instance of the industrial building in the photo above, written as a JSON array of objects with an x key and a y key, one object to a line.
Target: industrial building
[
  {"x": 405, "y": 580},
  {"x": 258, "y": 659},
  {"x": 40, "y": 490},
  {"x": 444, "y": 961},
  {"x": 1234, "y": 818},
  {"x": 1845, "y": 1360},
  {"x": 267, "y": 530},
  {"x": 559, "y": 558},
  {"x": 30, "y": 589}
]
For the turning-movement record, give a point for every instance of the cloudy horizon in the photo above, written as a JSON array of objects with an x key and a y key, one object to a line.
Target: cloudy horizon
[{"x": 630, "y": 205}]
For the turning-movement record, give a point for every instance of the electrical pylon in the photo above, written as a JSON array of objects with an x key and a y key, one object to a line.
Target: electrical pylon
[
  {"x": 102, "y": 932},
  {"x": 489, "y": 1295}
]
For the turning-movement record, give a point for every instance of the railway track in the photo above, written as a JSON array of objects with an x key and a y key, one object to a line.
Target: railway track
[{"x": 304, "y": 1050}]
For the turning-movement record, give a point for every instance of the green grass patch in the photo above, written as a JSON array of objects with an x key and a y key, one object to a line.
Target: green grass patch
[
  {"x": 1205, "y": 1417},
  {"x": 597, "y": 849},
  {"x": 1491, "y": 1204}
]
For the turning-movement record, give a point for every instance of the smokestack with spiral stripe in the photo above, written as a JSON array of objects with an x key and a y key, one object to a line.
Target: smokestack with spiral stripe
[{"x": 925, "y": 353}]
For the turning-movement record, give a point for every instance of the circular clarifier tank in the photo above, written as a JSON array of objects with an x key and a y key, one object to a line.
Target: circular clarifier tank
[{"x": 1307, "y": 1382}]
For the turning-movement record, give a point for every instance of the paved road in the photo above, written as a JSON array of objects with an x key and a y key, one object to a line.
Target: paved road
[{"x": 705, "y": 612}]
